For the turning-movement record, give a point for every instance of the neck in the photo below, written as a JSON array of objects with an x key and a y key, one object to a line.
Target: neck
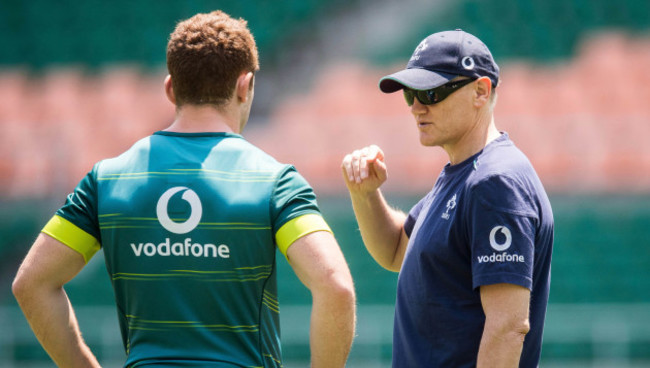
[
  {"x": 480, "y": 135},
  {"x": 204, "y": 118}
]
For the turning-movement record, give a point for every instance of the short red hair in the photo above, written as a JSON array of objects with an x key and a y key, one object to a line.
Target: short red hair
[{"x": 205, "y": 56}]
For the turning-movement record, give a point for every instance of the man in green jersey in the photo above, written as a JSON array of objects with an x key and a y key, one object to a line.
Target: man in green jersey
[{"x": 189, "y": 220}]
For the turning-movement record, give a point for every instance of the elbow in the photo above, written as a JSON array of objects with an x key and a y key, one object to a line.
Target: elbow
[
  {"x": 514, "y": 330},
  {"x": 26, "y": 286},
  {"x": 336, "y": 288},
  {"x": 20, "y": 288},
  {"x": 392, "y": 262},
  {"x": 517, "y": 330},
  {"x": 348, "y": 294},
  {"x": 394, "y": 266},
  {"x": 343, "y": 291},
  {"x": 520, "y": 330},
  {"x": 391, "y": 267}
]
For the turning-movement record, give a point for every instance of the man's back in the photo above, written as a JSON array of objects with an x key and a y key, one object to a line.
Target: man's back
[
  {"x": 189, "y": 219},
  {"x": 186, "y": 223}
]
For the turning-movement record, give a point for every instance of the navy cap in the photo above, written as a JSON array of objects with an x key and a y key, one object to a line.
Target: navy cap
[{"x": 440, "y": 58}]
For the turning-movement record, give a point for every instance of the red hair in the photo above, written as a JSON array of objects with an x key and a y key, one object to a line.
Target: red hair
[{"x": 205, "y": 56}]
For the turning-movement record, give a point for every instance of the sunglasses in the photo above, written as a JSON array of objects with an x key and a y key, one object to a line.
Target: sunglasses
[{"x": 434, "y": 95}]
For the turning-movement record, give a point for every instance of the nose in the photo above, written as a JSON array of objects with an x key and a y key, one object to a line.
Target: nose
[{"x": 418, "y": 108}]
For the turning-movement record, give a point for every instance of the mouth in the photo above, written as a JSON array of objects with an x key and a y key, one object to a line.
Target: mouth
[{"x": 423, "y": 124}]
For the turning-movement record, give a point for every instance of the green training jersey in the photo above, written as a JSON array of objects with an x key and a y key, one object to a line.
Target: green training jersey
[{"x": 189, "y": 224}]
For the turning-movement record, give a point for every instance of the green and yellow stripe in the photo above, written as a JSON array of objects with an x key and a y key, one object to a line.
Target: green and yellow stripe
[
  {"x": 137, "y": 323},
  {"x": 270, "y": 301},
  {"x": 241, "y": 274},
  {"x": 236, "y": 176}
]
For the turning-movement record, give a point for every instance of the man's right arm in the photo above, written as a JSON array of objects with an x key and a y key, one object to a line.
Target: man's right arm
[{"x": 382, "y": 227}]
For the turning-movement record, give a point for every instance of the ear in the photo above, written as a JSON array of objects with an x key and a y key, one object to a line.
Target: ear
[
  {"x": 169, "y": 89},
  {"x": 244, "y": 86},
  {"x": 483, "y": 91}
]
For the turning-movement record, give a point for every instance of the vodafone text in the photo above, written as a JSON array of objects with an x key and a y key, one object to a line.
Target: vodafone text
[
  {"x": 186, "y": 248},
  {"x": 501, "y": 257}
]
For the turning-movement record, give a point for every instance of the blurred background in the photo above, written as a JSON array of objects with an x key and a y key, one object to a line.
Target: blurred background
[{"x": 82, "y": 80}]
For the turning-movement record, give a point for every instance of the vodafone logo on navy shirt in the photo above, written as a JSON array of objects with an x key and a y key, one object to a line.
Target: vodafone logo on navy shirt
[
  {"x": 500, "y": 241},
  {"x": 493, "y": 241}
]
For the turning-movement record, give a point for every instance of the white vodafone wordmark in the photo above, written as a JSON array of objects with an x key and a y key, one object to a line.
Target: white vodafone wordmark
[
  {"x": 186, "y": 248},
  {"x": 196, "y": 210},
  {"x": 502, "y": 256}
]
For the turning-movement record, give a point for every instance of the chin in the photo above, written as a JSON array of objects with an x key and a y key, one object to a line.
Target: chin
[{"x": 428, "y": 142}]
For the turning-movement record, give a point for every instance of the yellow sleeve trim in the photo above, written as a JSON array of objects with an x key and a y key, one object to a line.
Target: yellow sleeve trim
[
  {"x": 297, "y": 228},
  {"x": 69, "y": 234}
]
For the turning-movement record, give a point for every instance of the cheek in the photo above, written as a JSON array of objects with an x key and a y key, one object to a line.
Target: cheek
[
  {"x": 449, "y": 116},
  {"x": 457, "y": 111}
]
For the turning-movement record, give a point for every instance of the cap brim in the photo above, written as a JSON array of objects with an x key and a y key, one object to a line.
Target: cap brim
[{"x": 419, "y": 79}]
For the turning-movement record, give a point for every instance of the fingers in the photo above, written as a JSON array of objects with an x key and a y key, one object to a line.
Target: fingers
[
  {"x": 356, "y": 166},
  {"x": 363, "y": 164},
  {"x": 350, "y": 166}
]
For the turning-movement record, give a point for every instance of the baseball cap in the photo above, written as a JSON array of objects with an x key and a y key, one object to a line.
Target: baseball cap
[{"x": 440, "y": 58}]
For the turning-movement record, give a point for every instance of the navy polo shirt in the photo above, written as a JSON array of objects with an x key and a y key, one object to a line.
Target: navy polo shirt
[{"x": 487, "y": 220}]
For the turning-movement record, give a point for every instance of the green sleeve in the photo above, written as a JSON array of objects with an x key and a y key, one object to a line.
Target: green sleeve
[
  {"x": 292, "y": 197},
  {"x": 80, "y": 207}
]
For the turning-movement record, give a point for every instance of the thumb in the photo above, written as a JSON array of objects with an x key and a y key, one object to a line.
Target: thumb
[{"x": 380, "y": 169}]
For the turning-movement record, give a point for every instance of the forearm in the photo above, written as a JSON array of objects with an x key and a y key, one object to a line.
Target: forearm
[
  {"x": 54, "y": 323},
  {"x": 500, "y": 347},
  {"x": 332, "y": 328},
  {"x": 380, "y": 227}
]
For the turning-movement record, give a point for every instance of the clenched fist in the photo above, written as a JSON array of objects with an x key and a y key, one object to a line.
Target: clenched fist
[{"x": 364, "y": 170}]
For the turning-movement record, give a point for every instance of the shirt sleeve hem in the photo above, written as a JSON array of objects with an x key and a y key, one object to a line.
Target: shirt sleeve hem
[
  {"x": 298, "y": 227},
  {"x": 502, "y": 278},
  {"x": 71, "y": 235}
]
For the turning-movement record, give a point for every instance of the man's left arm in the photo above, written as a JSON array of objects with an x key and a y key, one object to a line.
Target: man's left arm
[
  {"x": 320, "y": 265},
  {"x": 506, "y": 308},
  {"x": 38, "y": 288}
]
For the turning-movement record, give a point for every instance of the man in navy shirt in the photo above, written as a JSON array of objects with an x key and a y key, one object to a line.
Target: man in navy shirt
[{"x": 474, "y": 254}]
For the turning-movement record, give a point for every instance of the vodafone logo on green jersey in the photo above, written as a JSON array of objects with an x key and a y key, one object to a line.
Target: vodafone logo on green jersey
[
  {"x": 187, "y": 247},
  {"x": 195, "y": 215}
]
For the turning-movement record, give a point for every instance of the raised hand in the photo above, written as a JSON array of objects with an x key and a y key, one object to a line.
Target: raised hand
[{"x": 364, "y": 170}]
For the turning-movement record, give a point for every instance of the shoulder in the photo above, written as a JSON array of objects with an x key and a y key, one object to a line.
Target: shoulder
[
  {"x": 503, "y": 156},
  {"x": 505, "y": 180},
  {"x": 250, "y": 157},
  {"x": 502, "y": 159},
  {"x": 138, "y": 149}
]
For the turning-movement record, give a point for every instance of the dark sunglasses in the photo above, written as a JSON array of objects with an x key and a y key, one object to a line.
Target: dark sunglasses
[{"x": 434, "y": 95}]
